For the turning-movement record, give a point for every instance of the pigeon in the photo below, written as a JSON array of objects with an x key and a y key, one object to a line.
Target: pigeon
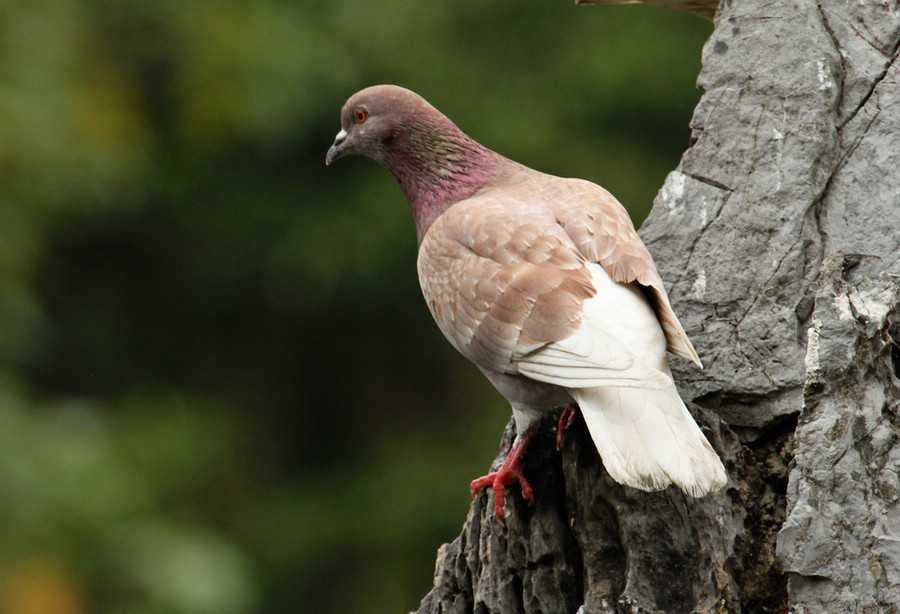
[{"x": 545, "y": 285}]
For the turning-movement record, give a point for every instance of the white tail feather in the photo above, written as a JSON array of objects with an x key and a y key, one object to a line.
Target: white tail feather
[{"x": 648, "y": 439}]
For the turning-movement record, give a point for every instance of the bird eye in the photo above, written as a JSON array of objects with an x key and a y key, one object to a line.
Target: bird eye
[{"x": 361, "y": 115}]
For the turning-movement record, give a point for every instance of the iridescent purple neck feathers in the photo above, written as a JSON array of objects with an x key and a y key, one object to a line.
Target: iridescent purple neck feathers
[{"x": 437, "y": 166}]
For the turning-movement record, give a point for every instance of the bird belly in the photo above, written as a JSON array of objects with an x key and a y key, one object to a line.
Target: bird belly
[{"x": 523, "y": 392}]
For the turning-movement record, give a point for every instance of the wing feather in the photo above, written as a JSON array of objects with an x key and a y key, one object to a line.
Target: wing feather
[
  {"x": 602, "y": 230},
  {"x": 508, "y": 287}
]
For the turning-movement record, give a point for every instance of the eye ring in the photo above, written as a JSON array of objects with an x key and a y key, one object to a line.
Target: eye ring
[{"x": 361, "y": 115}]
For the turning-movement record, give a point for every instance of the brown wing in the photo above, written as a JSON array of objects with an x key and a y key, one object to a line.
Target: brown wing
[
  {"x": 602, "y": 231},
  {"x": 500, "y": 281}
]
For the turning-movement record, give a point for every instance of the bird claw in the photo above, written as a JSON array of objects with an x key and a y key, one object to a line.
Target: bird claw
[
  {"x": 510, "y": 472},
  {"x": 566, "y": 420},
  {"x": 497, "y": 480}
]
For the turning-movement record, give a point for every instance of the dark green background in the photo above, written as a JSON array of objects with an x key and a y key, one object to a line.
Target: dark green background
[{"x": 220, "y": 389}]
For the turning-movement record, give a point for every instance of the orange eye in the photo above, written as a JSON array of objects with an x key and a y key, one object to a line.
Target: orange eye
[{"x": 361, "y": 115}]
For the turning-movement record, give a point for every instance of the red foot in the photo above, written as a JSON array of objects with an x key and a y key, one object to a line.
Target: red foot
[
  {"x": 510, "y": 472},
  {"x": 566, "y": 420}
]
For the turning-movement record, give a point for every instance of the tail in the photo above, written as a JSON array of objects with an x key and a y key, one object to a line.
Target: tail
[{"x": 648, "y": 439}]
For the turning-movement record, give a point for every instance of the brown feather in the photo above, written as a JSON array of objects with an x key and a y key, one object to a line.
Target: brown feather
[
  {"x": 507, "y": 288},
  {"x": 602, "y": 231}
]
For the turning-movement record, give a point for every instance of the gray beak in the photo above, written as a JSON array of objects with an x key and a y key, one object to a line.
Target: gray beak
[{"x": 337, "y": 149}]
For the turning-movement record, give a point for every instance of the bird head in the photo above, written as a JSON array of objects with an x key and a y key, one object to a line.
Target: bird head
[
  {"x": 371, "y": 119},
  {"x": 435, "y": 163}
]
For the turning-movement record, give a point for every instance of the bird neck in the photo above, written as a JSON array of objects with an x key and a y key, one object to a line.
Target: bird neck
[{"x": 438, "y": 168}]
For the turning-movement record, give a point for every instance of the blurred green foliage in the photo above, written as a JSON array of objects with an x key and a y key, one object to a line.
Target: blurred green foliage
[{"x": 220, "y": 390}]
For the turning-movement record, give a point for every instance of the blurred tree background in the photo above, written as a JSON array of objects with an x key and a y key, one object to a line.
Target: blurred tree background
[{"x": 220, "y": 389}]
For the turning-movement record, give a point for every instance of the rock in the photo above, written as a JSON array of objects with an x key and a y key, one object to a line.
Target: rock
[
  {"x": 841, "y": 541},
  {"x": 794, "y": 159}
]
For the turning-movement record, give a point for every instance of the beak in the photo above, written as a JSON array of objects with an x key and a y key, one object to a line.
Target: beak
[{"x": 337, "y": 149}]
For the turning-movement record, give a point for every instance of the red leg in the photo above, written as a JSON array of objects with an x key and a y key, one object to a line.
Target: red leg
[
  {"x": 566, "y": 420},
  {"x": 510, "y": 472}
]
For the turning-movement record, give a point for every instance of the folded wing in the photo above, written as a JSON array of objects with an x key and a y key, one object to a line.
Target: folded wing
[{"x": 512, "y": 292}]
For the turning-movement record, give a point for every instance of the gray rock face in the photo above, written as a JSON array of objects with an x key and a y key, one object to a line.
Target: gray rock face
[
  {"x": 779, "y": 239},
  {"x": 841, "y": 541},
  {"x": 587, "y": 541},
  {"x": 745, "y": 206}
]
